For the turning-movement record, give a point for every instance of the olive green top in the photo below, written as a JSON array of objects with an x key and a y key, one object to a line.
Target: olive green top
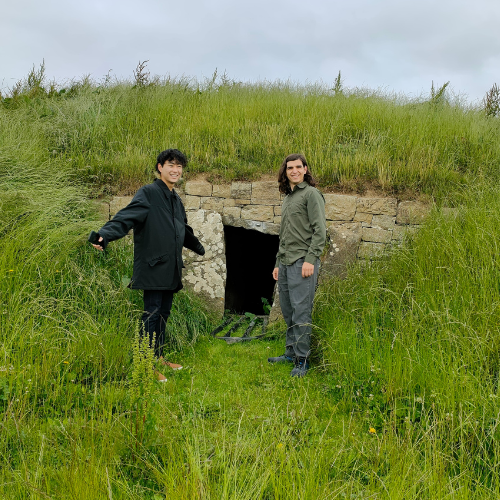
[{"x": 303, "y": 225}]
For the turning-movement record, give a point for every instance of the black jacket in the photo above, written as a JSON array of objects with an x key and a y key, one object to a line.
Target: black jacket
[{"x": 160, "y": 226}]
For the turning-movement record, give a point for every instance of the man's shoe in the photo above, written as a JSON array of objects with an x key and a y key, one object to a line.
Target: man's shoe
[
  {"x": 160, "y": 377},
  {"x": 301, "y": 368},
  {"x": 174, "y": 366},
  {"x": 280, "y": 359}
]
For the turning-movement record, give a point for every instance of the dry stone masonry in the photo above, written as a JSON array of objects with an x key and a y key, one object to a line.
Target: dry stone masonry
[{"x": 358, "y": 227}]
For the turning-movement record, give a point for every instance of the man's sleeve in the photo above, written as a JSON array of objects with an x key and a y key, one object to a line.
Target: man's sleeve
[
  {"x": 317, "y": 219},
  {"x": 133, "y": 214}
]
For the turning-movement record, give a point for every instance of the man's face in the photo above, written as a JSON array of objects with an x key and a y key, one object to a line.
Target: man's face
[
  {"x": 170, "y": 172},
  {"x": 295, "y": 172}
]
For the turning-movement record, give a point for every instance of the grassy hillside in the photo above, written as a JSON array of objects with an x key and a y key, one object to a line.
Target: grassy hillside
[
  {"x": 403, "y": 401},
  {"x": 112, "y": 132}
]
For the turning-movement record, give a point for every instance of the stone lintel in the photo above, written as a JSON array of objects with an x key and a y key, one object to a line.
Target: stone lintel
[{"x": 263, "y": 227}]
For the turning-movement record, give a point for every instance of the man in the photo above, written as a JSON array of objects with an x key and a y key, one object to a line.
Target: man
[
  {"x": 302, "y": 238},
  {"x": 157, "y": 215}
]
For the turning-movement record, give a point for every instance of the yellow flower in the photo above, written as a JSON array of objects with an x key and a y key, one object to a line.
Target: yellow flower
[
  {"x": 11, "y": 270},
  {"x": 280, "y": 445},
  {"x": 371, "y": 430},
  {"x": 66, "y": 362}
]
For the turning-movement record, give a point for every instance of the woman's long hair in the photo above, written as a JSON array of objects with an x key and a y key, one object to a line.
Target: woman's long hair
[{"x": 284, "y": 184}]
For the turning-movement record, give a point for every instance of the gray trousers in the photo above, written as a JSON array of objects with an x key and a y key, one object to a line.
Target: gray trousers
[{"x": 296, "y": 300}]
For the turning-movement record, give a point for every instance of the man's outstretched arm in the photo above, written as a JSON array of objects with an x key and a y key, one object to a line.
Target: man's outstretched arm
[{"x": 134, "y": 213}]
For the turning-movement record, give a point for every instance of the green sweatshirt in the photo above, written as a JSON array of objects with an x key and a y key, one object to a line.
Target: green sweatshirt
[{"x": 303, "y": 225}]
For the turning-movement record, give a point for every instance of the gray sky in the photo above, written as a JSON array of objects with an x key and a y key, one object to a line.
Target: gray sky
[{"x": 394, "y": 45}]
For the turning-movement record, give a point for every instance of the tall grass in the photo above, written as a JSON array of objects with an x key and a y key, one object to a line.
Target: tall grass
[
  {"x": 112, "y": 133},
  {"x": 403, "y": 402},
  {"x": 414, "y": 341}
]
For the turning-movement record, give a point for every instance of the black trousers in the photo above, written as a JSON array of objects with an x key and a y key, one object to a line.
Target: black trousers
[{"x": 157, "y": 306}]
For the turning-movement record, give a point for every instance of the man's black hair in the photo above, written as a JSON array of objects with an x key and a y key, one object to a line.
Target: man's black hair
[{"x": 173, "y": 155}]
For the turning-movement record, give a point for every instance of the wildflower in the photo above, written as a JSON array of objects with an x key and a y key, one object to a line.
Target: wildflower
[
  {"x": 280, "y": 445},
  {"x": 372, "y": 430},
  {"x": 66, "y": 362},
  {"x": 11, "y": 270}
]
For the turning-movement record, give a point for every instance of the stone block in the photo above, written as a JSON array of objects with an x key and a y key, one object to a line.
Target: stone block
[
  {"x": 261, "y": 213},
  {"x": 211, "y": 203},
  {"x": 229, "y": 202},
  {"x": 241, "y": 190},
  {"x": 384, "y": 221},
  {"x": 192, "y": 202},
  {"x": 232, "y": 212},
  {"x": 402, "y": 232},
  {"x": 376, "y": 235},
  {"x": 102, "y": 208},
  {"x": 370, "y": 250},
  {"x": 277, "y": 219},
  {"x": 265, "y": 193},
  {"x": 412, "y": 212},
  {"x": 263, "y": 227},
  {"x": 117, "y": 203},
  {"x": 198, "y": 188},
  {"x": 242, "y": 201},
  {"x": 340, "y": 207},
  {"x": 385, "y": 206},
  {"x": 344, "y": 242},
  {"x": 277, "y": 210},
  {"x": 363, "y": 217},
  {"x": 221, "y": 190},
  {"x": 206, "y": 275}
]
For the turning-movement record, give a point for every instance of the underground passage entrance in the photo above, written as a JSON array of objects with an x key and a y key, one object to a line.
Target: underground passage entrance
[{"x": 250, "y": 260}]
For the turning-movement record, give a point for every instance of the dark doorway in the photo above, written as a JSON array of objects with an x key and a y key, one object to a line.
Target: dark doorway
[{"x": 250, "y": 260}]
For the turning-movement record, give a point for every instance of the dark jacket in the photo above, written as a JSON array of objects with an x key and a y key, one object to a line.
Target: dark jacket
[{"x": 160, "y": 226}]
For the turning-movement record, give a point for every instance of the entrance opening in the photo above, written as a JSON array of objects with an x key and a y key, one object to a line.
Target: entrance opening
[{"x": 250, "y": 259}]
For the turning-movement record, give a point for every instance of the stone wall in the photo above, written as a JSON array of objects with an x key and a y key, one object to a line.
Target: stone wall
[{"x": 359, "y": 227}]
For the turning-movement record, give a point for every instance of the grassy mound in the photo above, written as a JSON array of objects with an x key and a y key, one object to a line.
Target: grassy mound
[
  {"x": 111, "y": 133},
  {"x": 403, "y": 400}
]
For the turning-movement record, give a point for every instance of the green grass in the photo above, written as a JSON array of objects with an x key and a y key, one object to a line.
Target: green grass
[
  {"x": 407, "y": 347},
  {"x": 112, "y": 133}
]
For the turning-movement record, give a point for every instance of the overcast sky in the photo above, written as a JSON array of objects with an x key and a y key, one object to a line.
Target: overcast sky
[{"x": 395, "y": 45}]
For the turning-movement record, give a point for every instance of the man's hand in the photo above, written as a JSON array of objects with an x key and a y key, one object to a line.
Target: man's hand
[
  {"x": 307, "y": 270},
  {"x": 275, "y": 273},
  {"x": 99, "y": 247}
]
